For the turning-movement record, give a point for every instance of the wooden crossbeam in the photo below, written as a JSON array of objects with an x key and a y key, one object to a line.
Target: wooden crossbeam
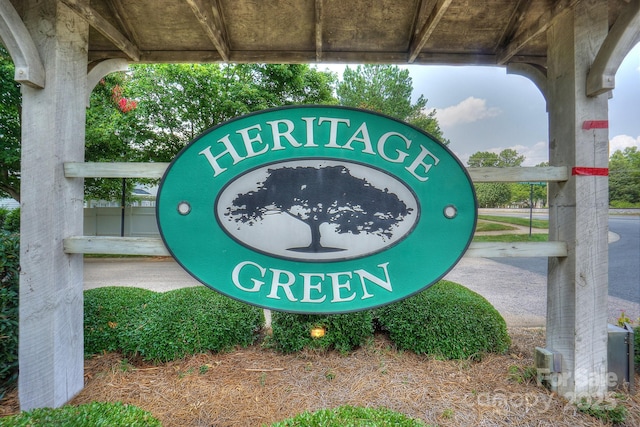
[
  {"x": 156, "y": 170},
  {"x": 212, "y": 24},
  {"x": 104, "y": 27},
  {"x": 150, "y": 246},
  {"x": 523, "y": 37},
  {"x": 430, "y": 24}
]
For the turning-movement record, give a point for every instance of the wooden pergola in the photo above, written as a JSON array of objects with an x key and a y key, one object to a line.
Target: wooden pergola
[{"x": 571, "y": 49}]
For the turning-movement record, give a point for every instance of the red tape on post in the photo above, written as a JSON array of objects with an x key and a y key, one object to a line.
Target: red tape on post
[
  {"x": 582, "y": 171},
  {"x": 595, "y": 124}
]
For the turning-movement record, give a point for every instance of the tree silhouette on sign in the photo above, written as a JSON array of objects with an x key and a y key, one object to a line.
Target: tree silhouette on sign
[{"x": 319, "y": 195}]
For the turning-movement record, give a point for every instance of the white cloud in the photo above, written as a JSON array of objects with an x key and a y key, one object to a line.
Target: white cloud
[
  {"x": 467, "y": 111},
  {"x": 620, "y": 142}
]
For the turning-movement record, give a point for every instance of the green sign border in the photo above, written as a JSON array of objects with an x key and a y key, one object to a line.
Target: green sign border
[{"x": 422, "y": 257}]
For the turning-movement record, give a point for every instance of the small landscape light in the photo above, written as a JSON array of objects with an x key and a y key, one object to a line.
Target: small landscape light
[{"x": 317, "y": 332}]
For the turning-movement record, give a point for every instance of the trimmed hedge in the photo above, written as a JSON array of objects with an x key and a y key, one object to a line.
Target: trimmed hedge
[
  {"x": 344, "y": 332},
  {"x": 9, "y": 295},
  {"x": 446, "y": 320},
  {"x": 350, "y": 416},
  {"x": 89, "y": 415},
  {"x": 109, "y": 313},
  {"x": 189, "y": 321}
]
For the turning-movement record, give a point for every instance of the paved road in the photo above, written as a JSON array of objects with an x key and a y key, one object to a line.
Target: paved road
[
  {"x": 624, "y": 258},
  {"x": 518, "y": 294}
]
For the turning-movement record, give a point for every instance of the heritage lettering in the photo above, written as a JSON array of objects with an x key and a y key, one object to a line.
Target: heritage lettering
[
  {"x": 312, "y": 288},
  {"x": 254, "y": 141}
]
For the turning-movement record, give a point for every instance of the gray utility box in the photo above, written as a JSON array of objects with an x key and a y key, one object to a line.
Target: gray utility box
[{"x": 620, "y": 357}]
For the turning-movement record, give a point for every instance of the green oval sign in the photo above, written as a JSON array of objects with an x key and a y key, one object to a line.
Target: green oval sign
[{"x": 316, "y": 209}]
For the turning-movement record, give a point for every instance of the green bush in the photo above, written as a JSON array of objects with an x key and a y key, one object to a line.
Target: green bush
[
  {"x": 109, "y": 313},
  {"x": 636, "y": 347},
  {"x": 344, "y": 332},
  {"x": 349, "y": 416},
  {"x": 189, "y": 321},
  {"x": 3, "y": 215},
  {"x": 446, "y": 320},
  {"x": 89, "y": 415},
  {"x": 12, "y": 221},
  {"x": 9, "y": 282}
]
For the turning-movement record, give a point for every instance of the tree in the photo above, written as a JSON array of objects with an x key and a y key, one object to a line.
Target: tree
[
  {"x": 506, "y": 158},
  {"x": 177, "y": 102},
  {"x": 10, "y": 109},
  {"x": 496, "y": 194},
  {"x": 387, "y": 89},
  {"x": 322, "y": 195},
  {"x": 624, "y": 177},
  {"x": 109, "y": 129}
]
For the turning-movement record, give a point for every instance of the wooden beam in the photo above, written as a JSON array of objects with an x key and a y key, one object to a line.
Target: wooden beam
[
  {"x": 104, "y": 27},
  {"x": 535, "y": 73},
  {"x": 120, "y": 14},
  {"x": 319, "y": 7},
  {"x": 430, "y": 24},
  {"x": 114, "y": 170},
  {"x": 514, "y": 22},
  {"x": 156, "y": 170},
  {"x": 203, "y": 10},
  {"x": 622, "y": 37},
  {"x": 505, "y": 53},
  {"x": 306, "y": 57},
  {"x": 17, "y": 39},
  {"x": 520, "y": 174},
  {"x": 109, "y": 245},
  {"x": 102, "y": 69}
]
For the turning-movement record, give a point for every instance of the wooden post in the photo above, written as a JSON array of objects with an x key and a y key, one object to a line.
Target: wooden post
[
  {"x": 578, "y": 209},
  {"x": 53, "y": 119}
]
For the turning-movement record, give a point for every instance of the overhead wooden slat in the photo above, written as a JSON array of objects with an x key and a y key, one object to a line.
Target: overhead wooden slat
[
  {"x": 428, "y": 28},
  {"x": 156, "y": 170},
  {"x": 203, "y": 11},
  {"x": 121, "y": 17},
  {"x": 109, "y": 245},
  {"x": 104, "y": 27},
  {"x": 517, "y": 16},
  {"x": 319, "y": 30},
  {"x": 522, "y": 39}
]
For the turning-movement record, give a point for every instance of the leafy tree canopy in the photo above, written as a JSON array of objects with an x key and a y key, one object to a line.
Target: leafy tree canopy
[
  {"x": 506, "y": 158},
  {"x": 387, "y": 89},
  {"x": 624, "y": 177},
  {"x": 10, "y": 108}
]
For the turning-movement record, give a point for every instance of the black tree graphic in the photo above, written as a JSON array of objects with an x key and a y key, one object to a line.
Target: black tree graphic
[{"x": 321, "y": 195}]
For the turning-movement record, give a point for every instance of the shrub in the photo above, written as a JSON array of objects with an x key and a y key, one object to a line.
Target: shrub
[
  {"x": 344, "y": 332},
  {"x": 636, "y": 347},
  {"x": 9, "y": 295},
  {"x": 109, "y": 313},
  {"x": 446, "y": 320},
  {"x": 89, "y": 415},
  {"x": 3, "y": 215},
  {"x": 189, "y": 321},
  {"x": 12, "y": 221},
  {"x": 350, "y": 416}
]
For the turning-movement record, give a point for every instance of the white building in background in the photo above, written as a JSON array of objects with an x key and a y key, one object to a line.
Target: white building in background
[{"x": 10, "y": 204}]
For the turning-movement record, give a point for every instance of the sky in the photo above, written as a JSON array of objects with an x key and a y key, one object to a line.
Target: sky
[{"x": 486, "y": 109}]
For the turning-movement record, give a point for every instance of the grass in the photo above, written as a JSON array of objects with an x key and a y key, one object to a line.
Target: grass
[
  {"x": 492, "y": 226},
  {"x": 536, "y": 223},
  {"x": 512, "y": 238}
]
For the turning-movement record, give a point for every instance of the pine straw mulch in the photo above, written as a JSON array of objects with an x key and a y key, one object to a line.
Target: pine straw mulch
[{"x": 256, "y": 386}]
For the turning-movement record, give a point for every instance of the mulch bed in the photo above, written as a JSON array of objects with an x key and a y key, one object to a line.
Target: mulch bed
[{"x": 256, "y": 386}]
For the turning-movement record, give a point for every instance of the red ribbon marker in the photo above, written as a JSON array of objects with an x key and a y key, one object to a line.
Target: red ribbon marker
[
  {"x": 595, "y": 124},
  {"x": 582, "y": 171}
]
